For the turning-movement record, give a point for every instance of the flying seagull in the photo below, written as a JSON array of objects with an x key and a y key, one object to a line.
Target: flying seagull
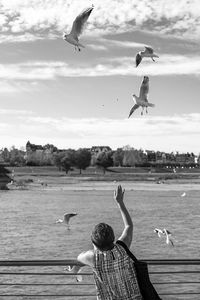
[
  {"x": 142, "y": 99},
  {"x": 77, "y": 28},
  {"x": 168, "y": 234},
  {"x": 148, "y": 52},
  {"x": 66, "y": 218},
  {"x": 159, "y": 232}
]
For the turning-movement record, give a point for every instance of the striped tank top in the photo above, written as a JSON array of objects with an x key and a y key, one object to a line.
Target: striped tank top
[{"x": 115, "y": 275}]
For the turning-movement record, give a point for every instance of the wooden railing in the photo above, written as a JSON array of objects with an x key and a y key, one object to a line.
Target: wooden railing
[{"x": 47, "y": 279}]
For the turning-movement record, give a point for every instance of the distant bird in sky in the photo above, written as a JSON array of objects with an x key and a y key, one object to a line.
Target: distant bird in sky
[
  {"x": 148, "y": 52},
  {"x": 168, "y": 239},
  {"x": 159, "y": 232},
  {"x": 66, "y": 218},
  {"x": 142, "y": 99},
  {"x": 77, "y": 28},
  {"x": 183, "y": 195}
]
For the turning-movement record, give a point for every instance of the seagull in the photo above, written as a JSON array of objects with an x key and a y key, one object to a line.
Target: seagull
[
  {"x": 183, "y": 195},
  {"x": 148, "y": 52},
  {"x": 142, "y": 99},
  {"x": 77, "y": 28},
  {"x": 168, "y": 234},
  {"x": 70, "y": 268},
  {"x": 66, "y": 218},
  {"x": 159, "y": 232},
  {"x": 174, "y": 170}
]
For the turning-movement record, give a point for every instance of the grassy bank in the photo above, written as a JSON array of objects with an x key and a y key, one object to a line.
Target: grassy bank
[{"x": 117, "y": 173}]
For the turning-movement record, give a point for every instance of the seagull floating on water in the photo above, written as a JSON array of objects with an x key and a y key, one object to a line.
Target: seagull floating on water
[
  {"x": 77, "y": 28},
  {"x": 66, "y": 218},
  {"x": 142, "y": 99},
  {"x": 148, "y": 52}
]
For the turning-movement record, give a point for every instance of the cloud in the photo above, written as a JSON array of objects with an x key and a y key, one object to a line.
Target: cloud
[
  {"x": 107, "y": 44},
  {"x": 177, "y": 18},
  {"x": 116, "y": 66},
  {"x": 167, "y": 133},
  {"x": 97, "y": 47},
  {"x": 15, "y": 112},
  {"x": 16, "y": 86}
]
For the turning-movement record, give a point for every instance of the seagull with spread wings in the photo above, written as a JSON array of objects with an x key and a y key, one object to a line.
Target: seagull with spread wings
[
  {"x": 77, "y": 28},
  {"x": 66, "y": 218},
  {"x": 142, "y": 99},
  {"x": 148, "y": 52}
]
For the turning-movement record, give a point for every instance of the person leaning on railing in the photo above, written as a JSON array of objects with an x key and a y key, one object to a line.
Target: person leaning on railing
[{"x": 114, "y": 271}]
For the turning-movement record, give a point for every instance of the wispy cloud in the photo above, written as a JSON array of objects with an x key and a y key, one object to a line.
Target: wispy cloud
[
  {"x": 15, "y": 86},
  {"x": 15, "y": 112},
  {"x": 168, "y": 133},
  {"x": 50, "y": 70},
  {"x": 109, "y": 44},
  {"x": 178, "y": 17}
]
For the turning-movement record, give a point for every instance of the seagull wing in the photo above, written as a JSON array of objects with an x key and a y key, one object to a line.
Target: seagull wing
[
  {"x": 168, "y": 232},
  {"x": 66, "y": 218},
  {"x": 148, "y": 49},
  {"x": 133, "y": 109},
  {"x": 158, "y": 231},
  {"x": 138, "y": 59},
  {"x": 144, "y": 89},
  {"x": 80, "y": 21}
]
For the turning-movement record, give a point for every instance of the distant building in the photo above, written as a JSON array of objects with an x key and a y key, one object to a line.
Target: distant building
[
  {"x": 151, "y": 156},
  {"x": 185, "y": 158},
  {"x": 38, "y": 154},
  {"x": 99, "y": 149}
]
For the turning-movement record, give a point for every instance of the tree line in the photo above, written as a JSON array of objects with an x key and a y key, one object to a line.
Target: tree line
[{"x": 82, "y": 158}]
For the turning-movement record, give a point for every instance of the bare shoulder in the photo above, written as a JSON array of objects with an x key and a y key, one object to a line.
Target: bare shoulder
[{"x": 86, "y": 257}]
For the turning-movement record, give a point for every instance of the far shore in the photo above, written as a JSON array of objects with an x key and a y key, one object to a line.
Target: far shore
[{"x": 47, "y": 178}]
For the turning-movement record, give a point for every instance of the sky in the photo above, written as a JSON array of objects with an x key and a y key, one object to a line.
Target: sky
[{"x": 51, "y": 93}]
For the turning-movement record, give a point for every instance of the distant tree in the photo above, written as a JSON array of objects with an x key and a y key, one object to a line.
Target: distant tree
[
  {"x": 57, "y": 159},
  {"x": 68, "y": 161},
  {"x": 118, "y": 157},
  {"x": 17, "y": 157},
  {"x": 82, "y": 159},
  {"x": 4, "y": 178},
  {"x": 104, "y": 160},
  {"x": 64, "y": 160},
  {"x": 131, "y": 157},
  {"x": 5, "y": 154}
]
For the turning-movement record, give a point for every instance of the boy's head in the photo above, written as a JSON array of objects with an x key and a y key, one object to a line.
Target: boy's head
[{"x": 103, "y": 236}]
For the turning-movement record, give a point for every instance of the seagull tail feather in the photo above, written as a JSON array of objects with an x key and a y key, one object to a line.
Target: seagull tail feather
[{"x": 151, "y": 104}]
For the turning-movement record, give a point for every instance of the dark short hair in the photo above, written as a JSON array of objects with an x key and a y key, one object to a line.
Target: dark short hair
[{"x": 103, "y": 236}]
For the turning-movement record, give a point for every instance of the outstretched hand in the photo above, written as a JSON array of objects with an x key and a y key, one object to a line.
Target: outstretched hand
[{"x": 119, "y": 194}]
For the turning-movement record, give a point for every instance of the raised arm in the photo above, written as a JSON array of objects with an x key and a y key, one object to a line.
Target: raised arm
[{"x": 127, "y": 233}]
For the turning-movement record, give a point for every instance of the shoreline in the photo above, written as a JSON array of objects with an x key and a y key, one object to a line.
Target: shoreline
[{"x": 109, "y": 186}]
